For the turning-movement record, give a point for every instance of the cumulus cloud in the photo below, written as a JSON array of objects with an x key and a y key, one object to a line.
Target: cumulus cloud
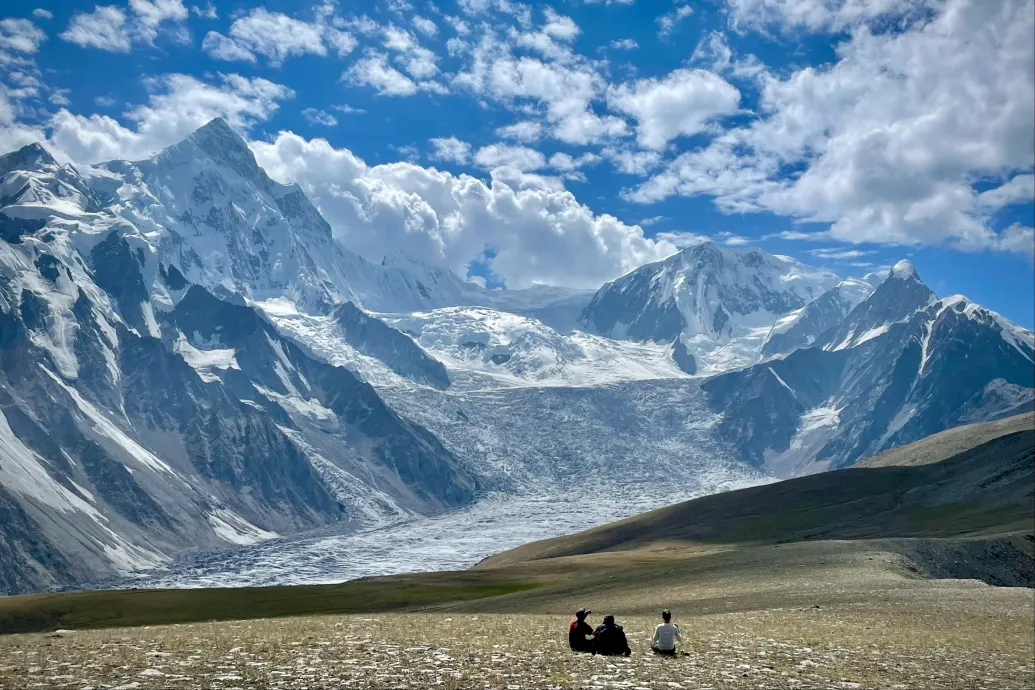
[
  {"x": 104, "y": 28},
  {"x": 667, "y": 23},
  {"x": 374, "y": 71},
  {"x": 41, "y": 13},
  {"x": 566, "y": 91},
  {"x": 869, "y": 134},
  {"x": 272, "y": 34},
  {"x": 20, "y": 35},
  {"x": 526, "y": 131},
  {"x": 820, "y": 15},
  {"x": 450, "y": 149},
  {"x": 178, "y": 105},
  {"x": 624, "y": 44},
  {"x": 533, "y": 227},
  {"x": 116, "y": 30},
  {"x": 319, "y": 117},
  {"x": 504, "y": 155},
  {"x": 424, "y": 25},
  {"x": 219, "y": 47},
  {"x": 206, "y": 12},
  {"x": 683, "y": 102},
  {"x": 416, "y": 60}
]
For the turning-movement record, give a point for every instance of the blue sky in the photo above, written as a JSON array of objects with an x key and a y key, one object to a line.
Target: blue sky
[{"x": 569, "y": 142}]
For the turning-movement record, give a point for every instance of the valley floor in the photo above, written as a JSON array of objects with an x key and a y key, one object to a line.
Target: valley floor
[
  {"x": 816, "y": 615},
  {"x": 979, "y": 639}
]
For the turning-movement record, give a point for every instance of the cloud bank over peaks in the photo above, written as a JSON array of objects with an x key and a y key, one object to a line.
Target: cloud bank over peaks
[{"x": 533, "y": 227}]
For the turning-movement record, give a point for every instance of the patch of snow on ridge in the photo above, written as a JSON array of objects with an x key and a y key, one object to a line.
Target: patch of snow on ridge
[
  {"x": 22, "y": 471},
  {"x": 817, "y": 426},
  {"x": 204, "y": 361},
  {"x": 105, "y": 427},
  {"x": 231, "y": 527}
]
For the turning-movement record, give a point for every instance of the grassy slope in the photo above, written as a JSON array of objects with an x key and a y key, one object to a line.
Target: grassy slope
[
  {"x": 951, "y": 442},
  {"x": 746, "y": 550},
  {"x": 987, "y": 489}
]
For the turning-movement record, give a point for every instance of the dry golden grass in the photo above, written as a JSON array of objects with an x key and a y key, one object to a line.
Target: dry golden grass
[{"x": 923, "y": 634}]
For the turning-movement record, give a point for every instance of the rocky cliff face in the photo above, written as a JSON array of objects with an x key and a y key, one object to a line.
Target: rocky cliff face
[{"x": 901, "y": 366}]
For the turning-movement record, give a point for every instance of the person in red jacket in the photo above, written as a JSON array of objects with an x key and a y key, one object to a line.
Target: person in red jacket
[{"x": 580, "y": 634}]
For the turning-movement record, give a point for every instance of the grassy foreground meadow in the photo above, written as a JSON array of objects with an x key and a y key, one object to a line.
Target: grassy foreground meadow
[
  {"x": 824, "y": 615},
  {"x": 914, "y": 572}
]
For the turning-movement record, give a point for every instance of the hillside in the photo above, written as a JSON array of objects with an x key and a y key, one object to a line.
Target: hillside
[
  {"x": 951, "y": 442},
  {"x": 988, "y": 488}
]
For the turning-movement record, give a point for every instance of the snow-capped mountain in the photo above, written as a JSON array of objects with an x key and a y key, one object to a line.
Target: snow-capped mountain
[
  {"x": 802, "y": 327},
  {"x": 902, "y": 365},
  {"x": 719, "y": 303},
  {"x": 190, "y": 361},
  {"x": 140, "y": 415}
]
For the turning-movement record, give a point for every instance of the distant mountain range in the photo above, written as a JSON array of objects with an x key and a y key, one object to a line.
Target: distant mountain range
[{"x": 190, "y": 360}]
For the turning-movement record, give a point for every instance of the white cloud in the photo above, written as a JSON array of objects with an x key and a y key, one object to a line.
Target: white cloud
[
  {"x": 150, "y": 14},
  {"x": 713, "y": 51},
  {"x": 40, "y": 13},
  {"x": 840, "y": 254},
  {"x": 1019, "y": 189},
  {"x": 319, "y": 117},
  {"x": 534, "y": 227},
  {"x": 685, "y": 102},
  {"x": 349, "y": 110},
  {"x": 219, "y": 47},
  {"x": 206, "y": 12},
  {"x": 667, "y": 22},
  {"x": 526, "y": 131},
  {"x": 374, "y": 71},
  {"x": 570, "y": 167},
  {"x": 651, "y": 220},
  {"x": 451, "y": 149},
  {"x": 504, "y": 155},
  {"x": 178, "y": 105},
  {"x": 424, "y": 25},
  {"x": 632, "y": 162},
  {"x": 869, "y": 133},
  {"x": 277, "y": 36},
  {"x": 566, "y": 91},
  {"x": 624, "y": 44},
  {"x": 560, "y": 27},
  {"x": 20, "y": 35},
  {"x": 682, "y": 239},
  {"x": 1017, "y": 239},
  {"x": 342, "y": 41},
  {"x": 732, "y": 239},
  {"x": 820, "y": 15},
  {"x": 104, "y": 28},
  {"x": 60, "y": 97},
  {"x": 112, "y": 29},
  {"x": 418, "y": 61}
]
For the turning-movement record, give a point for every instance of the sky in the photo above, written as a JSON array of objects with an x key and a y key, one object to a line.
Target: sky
[{"x": 570, "y": 142}]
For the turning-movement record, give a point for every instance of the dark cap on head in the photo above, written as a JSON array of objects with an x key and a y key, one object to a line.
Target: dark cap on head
[
  {"x": 609, "y": 619},
  {"x": 582, "y": 613}
]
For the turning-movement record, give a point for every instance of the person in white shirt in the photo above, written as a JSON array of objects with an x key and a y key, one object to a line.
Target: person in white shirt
[{"x": 665, "y": 635}]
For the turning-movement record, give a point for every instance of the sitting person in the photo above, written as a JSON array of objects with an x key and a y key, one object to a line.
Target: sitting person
[
  {"x": 609, "y": 639},
  {"x": 580, "y": 635},
  {"x": 665, "y": 635}
]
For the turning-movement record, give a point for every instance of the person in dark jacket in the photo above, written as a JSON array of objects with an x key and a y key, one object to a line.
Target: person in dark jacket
[
  {"x": 580, "y": 634},
  {"x": 609, "y": 639}
]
